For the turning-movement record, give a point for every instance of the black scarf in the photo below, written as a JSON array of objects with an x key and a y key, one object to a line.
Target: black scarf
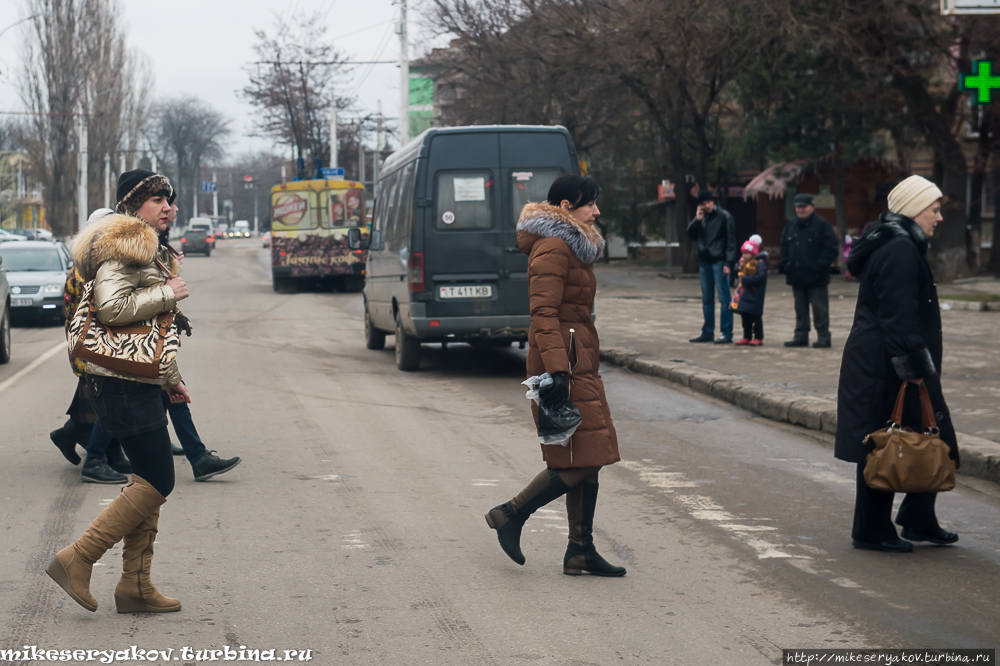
[{"x": 877, "y": 234}]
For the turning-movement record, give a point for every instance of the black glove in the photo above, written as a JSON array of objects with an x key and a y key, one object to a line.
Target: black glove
[{"x": 555, "y": 396}]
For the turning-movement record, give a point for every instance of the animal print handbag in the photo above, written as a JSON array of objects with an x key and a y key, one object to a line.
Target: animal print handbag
[{"x": 142, "y": 349}]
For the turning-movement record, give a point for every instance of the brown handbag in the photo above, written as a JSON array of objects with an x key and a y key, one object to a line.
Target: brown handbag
[{"x": 910, "y": 462}]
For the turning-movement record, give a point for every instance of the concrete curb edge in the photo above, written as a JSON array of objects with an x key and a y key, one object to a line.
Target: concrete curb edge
[{"x": 980, "y": 457}]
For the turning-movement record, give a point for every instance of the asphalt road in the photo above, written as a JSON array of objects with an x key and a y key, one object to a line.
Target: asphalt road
[{"x": 354, "y": 527}]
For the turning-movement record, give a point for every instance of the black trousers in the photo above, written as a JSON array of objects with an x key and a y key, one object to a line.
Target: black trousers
[
  {"x": 133, "y": 413},
  {"x": 753, "y": 326},
  {"x": 819, "y": 299},
  {"x": 873, "y": 512}
]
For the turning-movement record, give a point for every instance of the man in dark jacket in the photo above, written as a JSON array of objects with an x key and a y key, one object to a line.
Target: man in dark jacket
[
  {"x": 808, "y": 248},
  {"x": 715, "y": 232}
]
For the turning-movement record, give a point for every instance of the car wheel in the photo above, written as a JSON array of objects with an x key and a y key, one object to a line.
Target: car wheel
[
  {"x": 407, "y": 349},
  {"x": 5, "y": 336},
  {"x": 374, "y": 338}
]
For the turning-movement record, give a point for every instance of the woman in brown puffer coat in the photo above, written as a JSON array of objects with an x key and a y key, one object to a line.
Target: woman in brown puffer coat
[{"x": 562, "y": 243}]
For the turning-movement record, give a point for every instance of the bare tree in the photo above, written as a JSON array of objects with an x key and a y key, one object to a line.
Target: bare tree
[
  {"x": 188, "y": 133},
  {"x": 294, "y": 84},
  {"x": 76, "y": 64},
  {"x": 50, "y": 88}
]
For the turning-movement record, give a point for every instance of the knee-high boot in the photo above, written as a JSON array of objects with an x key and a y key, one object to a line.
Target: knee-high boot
[
  {"x": 581, "y": 555},
  {"x": 135, "y": 592},
  {"x": 508, "y": 518},
  {"x": 72, "y": 566}
]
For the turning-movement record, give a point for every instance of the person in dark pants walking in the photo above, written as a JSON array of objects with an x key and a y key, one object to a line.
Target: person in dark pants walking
[
  {"x": 715, "y": 232},
  {"x": 204, "y": 463},
  {"x": 808, "y": 248},
  {"x": 896, "y": 336}
]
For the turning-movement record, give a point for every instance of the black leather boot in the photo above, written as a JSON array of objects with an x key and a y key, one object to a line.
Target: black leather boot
[
  {"x": 508, "y": 518},
  {"x": 65, "y": 439},
  {"x": 117, "y": 460},
  {"x": 581, "y": 555}
]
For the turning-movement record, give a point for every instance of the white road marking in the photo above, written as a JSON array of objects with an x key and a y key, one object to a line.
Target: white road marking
[
  {"x": 486, "y": 482},
  {"x": 331, "y": 477},
  {"x": 353, "y": 540},
  {"x": 7, "y": 383},
  {"x": 702, "y": 507}
]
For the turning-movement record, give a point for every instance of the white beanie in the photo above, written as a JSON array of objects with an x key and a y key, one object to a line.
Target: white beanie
[
  {"x": 98, "y": 214},
  {"x": 913, "y": 196}
]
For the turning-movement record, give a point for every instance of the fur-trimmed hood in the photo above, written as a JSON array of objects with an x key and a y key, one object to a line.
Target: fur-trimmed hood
[
  {"x": 542, "y": 220},
  {"x": 116, "y": 237}
]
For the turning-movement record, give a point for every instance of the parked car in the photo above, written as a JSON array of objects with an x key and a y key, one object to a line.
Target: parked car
[
  {"x": 34, "y": 234},
  {"x": 10, "y": 236},
  {"x": 443, "y": 262},
  {"x": 204, "y": 224},
  {"x": 4, "y": 315},
  {"x": 196, "y": 240},
  {"x": 36, "y": 271},
  {"x": 266, "y": 239}
]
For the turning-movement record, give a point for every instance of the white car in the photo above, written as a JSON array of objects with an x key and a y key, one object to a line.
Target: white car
[
  {"x": 6, "y": 236},
  {"x": 266, "y": 239}
]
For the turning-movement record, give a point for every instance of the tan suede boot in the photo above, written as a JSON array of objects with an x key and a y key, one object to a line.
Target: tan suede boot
[
  {"x": 135, "y": 592},
  {"x": 72, "y": 566}
]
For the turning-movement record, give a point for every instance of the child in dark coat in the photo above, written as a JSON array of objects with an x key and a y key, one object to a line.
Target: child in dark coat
[{"x": 749, "y": 298}]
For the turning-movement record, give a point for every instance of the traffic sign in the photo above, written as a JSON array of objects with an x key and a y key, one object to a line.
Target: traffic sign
[
  {"x": 209, "y": 186},
  {"x": 247, "y": 179},
  {"x": 332, "y": 174}
]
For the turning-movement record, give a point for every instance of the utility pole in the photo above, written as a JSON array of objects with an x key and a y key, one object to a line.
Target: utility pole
[
  {"x": 153, "y": 161},
  {"x": 404, "y": 78},
  {"x": 361, "y": 157},
  {"x": 215, "y": 195},
  {"x": 378, "y": 152},
  {"x": 107, "y": 180},
  {"x": 333, "y": 131},
  {"x": 121, "y": 169},
  {"x": 81, "y": 188}
]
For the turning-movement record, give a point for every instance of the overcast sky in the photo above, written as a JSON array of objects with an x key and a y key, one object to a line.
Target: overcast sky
[{"x": 200, "y": 47}]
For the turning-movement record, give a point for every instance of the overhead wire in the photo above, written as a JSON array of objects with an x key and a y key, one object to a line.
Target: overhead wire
[{"x": 383, "y": 44}]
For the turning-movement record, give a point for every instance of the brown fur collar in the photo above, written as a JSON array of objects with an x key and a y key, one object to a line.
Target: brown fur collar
[
  {"x": 115, "y": 237},
  {"x": 548, "y": 221}
]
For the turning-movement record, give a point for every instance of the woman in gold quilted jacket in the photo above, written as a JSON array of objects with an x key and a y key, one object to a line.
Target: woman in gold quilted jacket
[{"x": 119, "y": 254}]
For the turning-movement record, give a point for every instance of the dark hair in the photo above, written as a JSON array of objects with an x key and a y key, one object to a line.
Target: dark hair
[{"x": 577, "y": 190}]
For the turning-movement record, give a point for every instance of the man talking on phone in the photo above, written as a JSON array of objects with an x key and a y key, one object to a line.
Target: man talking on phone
[{"x": 715, "y": 232}]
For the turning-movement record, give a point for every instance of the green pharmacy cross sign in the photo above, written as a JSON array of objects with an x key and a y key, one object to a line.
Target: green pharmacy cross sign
[{"x": 983, "y": 81}]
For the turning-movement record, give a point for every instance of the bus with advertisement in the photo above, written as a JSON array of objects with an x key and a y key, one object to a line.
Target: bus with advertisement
[{"x": 309, "y": 224}]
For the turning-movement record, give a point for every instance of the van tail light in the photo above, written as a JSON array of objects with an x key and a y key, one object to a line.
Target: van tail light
[{"x": 416, "y": 271}]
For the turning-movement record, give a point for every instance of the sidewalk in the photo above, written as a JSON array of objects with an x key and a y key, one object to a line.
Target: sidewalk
[{"x": 654, "y": 316}]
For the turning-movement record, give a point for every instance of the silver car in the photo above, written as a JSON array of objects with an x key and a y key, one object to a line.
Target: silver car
[
  {"x": 4, "y": 315},
  {"x": 36, "y": 271}
]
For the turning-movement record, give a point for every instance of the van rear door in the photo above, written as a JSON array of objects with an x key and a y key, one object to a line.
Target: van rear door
[
  {"x": 463, "y": 236},
  {"x": 530, "y": 162}
]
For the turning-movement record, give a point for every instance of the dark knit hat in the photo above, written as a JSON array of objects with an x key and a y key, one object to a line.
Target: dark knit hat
[
  {"x": 173, "y": 196},
  {"x": 803, "y": 200},
  {"x": 135, "y": 187},
  {"x": 705, "y": 195}
]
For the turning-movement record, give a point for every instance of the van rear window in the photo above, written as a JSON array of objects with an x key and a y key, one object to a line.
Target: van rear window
[
  {"x": 464, "y": 200},
  {"x": 530, "y": 185}
]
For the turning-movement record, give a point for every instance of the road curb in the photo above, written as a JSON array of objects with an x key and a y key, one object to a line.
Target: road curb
[
  {"x": 972, "y": 306},
  {"x": 980, "y": 457}
]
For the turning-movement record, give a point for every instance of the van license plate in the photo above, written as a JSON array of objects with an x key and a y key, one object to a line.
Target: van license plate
[
  {"x": 21, "y": 302},
  {"x": 482, "y": 291}
]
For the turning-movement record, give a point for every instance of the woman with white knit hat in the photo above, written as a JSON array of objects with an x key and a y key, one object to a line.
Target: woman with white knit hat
[{"x": 896, "y": 336}]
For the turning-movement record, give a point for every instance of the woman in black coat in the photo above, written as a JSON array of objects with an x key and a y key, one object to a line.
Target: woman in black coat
[{"x": 896, "y": 336}]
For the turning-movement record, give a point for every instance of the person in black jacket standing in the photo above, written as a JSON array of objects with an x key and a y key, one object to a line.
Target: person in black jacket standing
[
  {"x": 896, "y": 336},
  {"x": 715, "y": 232},
  {"x": 808, "y": 248}
]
